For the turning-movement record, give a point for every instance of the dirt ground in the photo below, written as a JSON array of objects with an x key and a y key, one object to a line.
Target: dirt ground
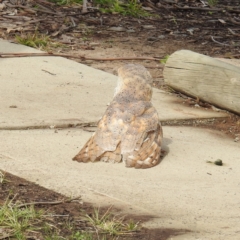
[
  {"x": 183, "y": 24},
  {"x": 71, "y": 213}
]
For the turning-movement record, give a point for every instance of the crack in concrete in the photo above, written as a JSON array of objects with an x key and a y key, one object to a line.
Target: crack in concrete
[
  {"x": 50, "y": 126},
  {"x": 175, "y": 122},
  {"x": 193, "y": 122}
]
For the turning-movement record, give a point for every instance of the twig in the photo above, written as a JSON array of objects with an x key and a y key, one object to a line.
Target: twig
[
  {"x": 73, "y": 22},
  {"x": 233, "y": 21},
  {"x": 48, "y": 203},
  {"x": 12, "y": 55},
  {"x": 199, "y": 8},
  {"x": 48, "y": 72},
  {"x": 232, "y": 32},
  {"x": 33, "y": 10},
  {"x": 223, "y": 44},
  {"x": 191, "y": 8}
]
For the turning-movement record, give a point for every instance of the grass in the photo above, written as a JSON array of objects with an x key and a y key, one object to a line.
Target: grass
[
  {"x": 66, "y": 2},
  {"x": 22, "y": 223},
  {"x": 111, "y": 224},
  {"x": 128, "y": 8},
  {"x": 131, "y": 8},
  {"x": 19, "y": 222},
  {"x": 2, "y": 178},
  {"x": 36, "y": 40},
  {"x": 212, "y": 3}
]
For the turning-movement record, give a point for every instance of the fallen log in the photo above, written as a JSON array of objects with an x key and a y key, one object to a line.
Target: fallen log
[{"x": 203, "y": 77}]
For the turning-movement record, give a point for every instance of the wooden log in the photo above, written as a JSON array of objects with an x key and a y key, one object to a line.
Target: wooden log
[{"x": 203, "y": 77}]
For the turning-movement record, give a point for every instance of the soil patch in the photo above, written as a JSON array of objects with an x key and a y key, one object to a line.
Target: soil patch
[{"x": 69, "y": 213}]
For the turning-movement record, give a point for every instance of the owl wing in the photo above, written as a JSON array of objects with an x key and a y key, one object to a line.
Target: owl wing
[
  {"x": 147, "y": 153},
  {"x": 104, "y": 143},
  {"x": 127, "y": 125},
  {"x": 128, "y": 129}
]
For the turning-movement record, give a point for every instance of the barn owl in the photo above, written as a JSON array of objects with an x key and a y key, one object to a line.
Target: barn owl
[{"x": 129, "y": 130}]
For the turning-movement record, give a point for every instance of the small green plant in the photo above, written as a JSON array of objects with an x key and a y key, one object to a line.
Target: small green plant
[
  {"x": 132, "y": 226},
  {"x": 174, "y": 20},
  {"x": 36, "y": 40},
  {"x": 212, "y": 3},
  {"x": 50, "y": 232},
  {"x": 66, "y": 2},
  {"x": 19, "y": 222},
  {"x": 110, "y": 224},
  {"x": 3, "y": 178},
  {"x": 131, "y": 8},
  {"x": 164, "y": 60},
  {"x": 81, "y": 235}
]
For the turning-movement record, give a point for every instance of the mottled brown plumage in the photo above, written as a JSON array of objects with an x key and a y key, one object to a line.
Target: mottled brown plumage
[{"x": 129, "y": 130}]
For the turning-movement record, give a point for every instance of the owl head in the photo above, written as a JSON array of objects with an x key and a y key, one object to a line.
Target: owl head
[{"x": 134, "y": 82}]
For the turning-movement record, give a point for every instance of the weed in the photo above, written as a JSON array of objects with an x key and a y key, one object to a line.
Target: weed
[
  {"x": 81, "y": 235},
  {"x": 66, "y": 2},
  {"x": 19, "y": 221},
  {"x": 212, "y": 2},
  {"x": 3, "y": 178},
  {"x": 131, "y": 8},
  {"x": 174, "y": 20},
  {"x": 37, "y": 40},
  {"x": 164, "y": 60},
  {"x": 110, "y": 224},
  {"x": 132, "y": 226}
]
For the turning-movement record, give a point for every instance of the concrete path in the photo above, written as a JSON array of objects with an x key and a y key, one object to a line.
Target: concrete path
[
  {"x": 54, "y": 91},
  {"x": 182, "y": 192}
]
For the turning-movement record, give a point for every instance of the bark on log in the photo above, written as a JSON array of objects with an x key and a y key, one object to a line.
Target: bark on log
[{"x": 206, "y": 78}]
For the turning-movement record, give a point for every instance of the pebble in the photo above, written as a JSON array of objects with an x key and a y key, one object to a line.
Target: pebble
[
  {"x": 161, "y": 36},
  {"x": 148, "y": 27},
  {"x": 236, "y": 139},
  {"x": 117, "y": 29},
  {"x": 218, "y": 162},
  {"x": 151, "y": 39},
  {"x": 131, "y": 31},
  {"x": 94, "y": 44}
]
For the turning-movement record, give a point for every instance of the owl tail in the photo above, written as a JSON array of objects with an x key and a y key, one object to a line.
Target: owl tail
[
  {"x": 90, "y": 152},
  {"x": 148, "y": 155},
  {"x": 112, "y": 156}
]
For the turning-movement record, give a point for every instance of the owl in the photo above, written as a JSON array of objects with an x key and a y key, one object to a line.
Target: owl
[{"x": 130, "y": 130}]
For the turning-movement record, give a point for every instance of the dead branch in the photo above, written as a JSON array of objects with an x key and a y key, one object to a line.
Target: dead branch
[
  {"x": 83, "y": 58},
  {"x": 199, "y": 8},
  {"x": 48, "y": 203},
  {"x": 223, "y": 44},
  {"x": 232, "y": 32},
  {"x": 233, "y": 21}
]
